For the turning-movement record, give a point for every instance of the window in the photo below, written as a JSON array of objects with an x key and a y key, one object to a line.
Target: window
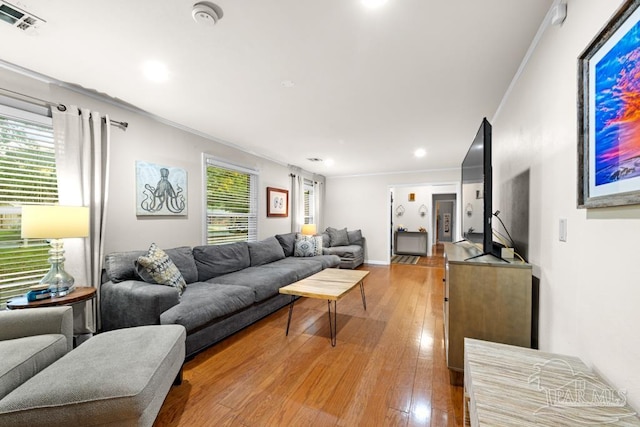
[
  {"x": 27, "y": 176},
  {"x": 309, "y": 202},
  {"x": 232, "y": 203}
]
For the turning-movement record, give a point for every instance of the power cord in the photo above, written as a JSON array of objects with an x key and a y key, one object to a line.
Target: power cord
[
  {"x": 498, "y": 234},
  {"x": 496, "y": 213}
]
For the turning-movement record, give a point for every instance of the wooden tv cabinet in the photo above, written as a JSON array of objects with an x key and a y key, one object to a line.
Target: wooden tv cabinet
[{"x": 485, "y": 298}]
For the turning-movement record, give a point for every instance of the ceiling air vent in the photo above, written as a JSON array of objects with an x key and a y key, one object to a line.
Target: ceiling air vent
[{"x": 19, "y": 18}]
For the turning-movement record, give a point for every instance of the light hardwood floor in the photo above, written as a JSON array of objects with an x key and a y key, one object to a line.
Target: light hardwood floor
[{"x": 387, "y": 369}]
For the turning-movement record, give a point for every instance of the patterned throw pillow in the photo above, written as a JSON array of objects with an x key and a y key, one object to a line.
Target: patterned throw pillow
[
  {"x": 318, "y": 244},
  {"x": 308, "y": 246},
  {"x": 161, "y": 269}
]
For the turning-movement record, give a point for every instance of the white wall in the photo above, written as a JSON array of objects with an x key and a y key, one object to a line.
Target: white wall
[
  {"x": 589, "y": 286},
  {"x": 364, "y": 202},
  {"x": 149, "y": 140},
  {"x": 411, "y": 219}
]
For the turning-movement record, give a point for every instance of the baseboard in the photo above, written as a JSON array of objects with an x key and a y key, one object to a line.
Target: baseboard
[{"x": 370, "y": 261}]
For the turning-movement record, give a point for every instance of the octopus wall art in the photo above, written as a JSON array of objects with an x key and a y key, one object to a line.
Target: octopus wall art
[{"x": 160, "y": 190}]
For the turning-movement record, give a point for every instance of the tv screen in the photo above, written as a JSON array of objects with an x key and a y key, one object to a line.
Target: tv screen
[{"x": 476, "y": 190}]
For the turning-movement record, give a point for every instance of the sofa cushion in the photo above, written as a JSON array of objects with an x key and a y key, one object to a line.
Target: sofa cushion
[
  {"x": 327, "y": 261},
  {"x": 338, "y": 237},
  {"x": 264, "y": 280},
  {"x": 302, "y": 266},
  {"x": 349, "y": 251},
  {"x": 161, "y": 269},
  {"x": 355, "y": 237},
  {"x": 202, "y": 303},
  {"x": 216, "y": 260},
  {"x": 288, "y": 242},
  {"x": 117, "y": 378},
  {"x": 120, "y": 266},
  {"x": 326, "y": 240},
  {"x": 22, "y": 358},
  {"x": 265, "y": 251}
]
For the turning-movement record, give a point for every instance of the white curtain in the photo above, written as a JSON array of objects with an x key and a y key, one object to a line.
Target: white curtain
[
  {"x": 82, "y": 146},
  {"x": 297, "y": 202},
  {"x": 318, "y": 196}
]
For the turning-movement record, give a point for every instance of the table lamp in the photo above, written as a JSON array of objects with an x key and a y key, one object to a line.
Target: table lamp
[
  {"x": 308, "y": 229},
  {"x": 54, "y": 223}
]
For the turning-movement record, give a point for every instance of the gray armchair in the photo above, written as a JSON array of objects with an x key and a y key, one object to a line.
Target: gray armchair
[
  {"x": 30, "y": 340},
  {"x": 117, "y": 378}
]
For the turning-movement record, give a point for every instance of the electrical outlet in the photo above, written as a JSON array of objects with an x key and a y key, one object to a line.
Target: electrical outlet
[{"x": 562, "y": 235}]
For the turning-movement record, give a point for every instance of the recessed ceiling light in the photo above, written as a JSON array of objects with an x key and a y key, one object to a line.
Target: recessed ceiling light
[
  {"x": 156, "y": 71},
  {"x": 287, "y": 83},
  {"x": 420, "y": 152},
  {"x": 372, "y": 4}
]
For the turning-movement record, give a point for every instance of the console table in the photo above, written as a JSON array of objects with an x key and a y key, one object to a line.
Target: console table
[
  {"x": 506, "y": 385},
  {"x": 411, "y": 243}
]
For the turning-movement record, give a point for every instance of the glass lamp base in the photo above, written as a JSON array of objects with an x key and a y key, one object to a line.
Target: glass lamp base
[{"x": 60, "y": 282}]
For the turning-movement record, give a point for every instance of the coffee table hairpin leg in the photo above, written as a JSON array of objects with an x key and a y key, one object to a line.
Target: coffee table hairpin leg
[
  {"x": 333, "y": 323},
  {"x": 293, "y": 299},
  {"x": 364, "y": 300}
]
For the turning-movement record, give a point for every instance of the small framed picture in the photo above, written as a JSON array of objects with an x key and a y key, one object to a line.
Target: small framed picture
[
  {"x": 277, "y": 202},
  {"x": 412, "y": 197}
]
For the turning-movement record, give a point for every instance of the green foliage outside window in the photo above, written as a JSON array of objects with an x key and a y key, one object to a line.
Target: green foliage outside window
[
  {"x": 27, "y": 176},
  {"x": 230, "y": 205}
]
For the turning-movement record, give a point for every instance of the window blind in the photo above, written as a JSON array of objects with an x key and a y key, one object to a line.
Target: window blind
[
  {"x": 232, "y": 203},
  {"x": 27, "y": 176},
  {"x": 308, "y": 202}
]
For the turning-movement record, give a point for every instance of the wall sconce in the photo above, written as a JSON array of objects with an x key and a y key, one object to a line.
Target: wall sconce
[
  {"x": 400, "y": 210},
  {"x": 422, "y": 210},
  {"x": 469, "y": 209}
]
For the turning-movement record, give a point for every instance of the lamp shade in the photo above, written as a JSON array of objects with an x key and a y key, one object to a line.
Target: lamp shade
[
  {"x": 54, "y": 222},
  {"x": 308, "y": 229}
]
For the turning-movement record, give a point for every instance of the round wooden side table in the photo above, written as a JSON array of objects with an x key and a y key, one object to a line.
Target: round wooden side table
[{"x": 79, "y": 294}]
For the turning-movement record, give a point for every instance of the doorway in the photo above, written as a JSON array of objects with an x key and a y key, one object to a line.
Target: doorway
[{"x": 445, "y": 218}]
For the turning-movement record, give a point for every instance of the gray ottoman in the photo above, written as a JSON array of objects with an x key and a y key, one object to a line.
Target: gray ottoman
[{"x": 118, "y": 378}]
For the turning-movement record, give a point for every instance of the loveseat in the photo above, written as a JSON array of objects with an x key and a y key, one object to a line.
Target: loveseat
[
  {"x": 116, "y": 378},
  {"x": 228, "y": 287}
]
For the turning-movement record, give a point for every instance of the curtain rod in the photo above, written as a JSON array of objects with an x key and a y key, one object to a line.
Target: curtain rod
[{"x": 60, "y": 107}]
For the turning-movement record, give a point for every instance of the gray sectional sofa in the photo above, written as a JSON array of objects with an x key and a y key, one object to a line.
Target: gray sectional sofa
[{"x": 228, "y": 288}]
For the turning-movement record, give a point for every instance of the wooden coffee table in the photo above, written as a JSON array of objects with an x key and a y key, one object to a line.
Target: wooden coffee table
[{"x": 330, "y": 284}]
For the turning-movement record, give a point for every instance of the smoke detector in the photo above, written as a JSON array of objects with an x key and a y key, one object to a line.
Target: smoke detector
[
  {"x": 206, "y": 13},
  {"x": 21, "y": 19}
]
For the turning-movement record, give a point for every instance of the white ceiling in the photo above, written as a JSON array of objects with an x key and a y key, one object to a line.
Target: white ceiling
[{"x": 371, "y": 86}]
